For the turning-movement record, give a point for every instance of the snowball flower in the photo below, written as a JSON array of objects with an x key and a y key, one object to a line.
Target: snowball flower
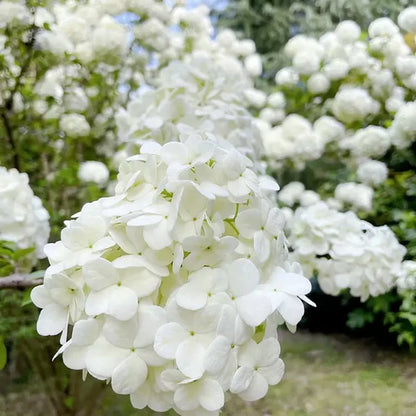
[
  {"x": 372, "y": 172},
  {"x": 353, "y": 104},
  {"x": 348, "y": 31},
  {"x": 287, "y": 77},
  {"x": 339, "y": 246},
  {"x": 291, "y": 193},
  {"x": 407, "y": 276},
  {"x": 372, "y": 141},
  {"x": 253, "y": 65},
  {"x": 23, "y": 219},
  {"x": 74, "y": 125},
  {"x": 318, "y": 83},
  {"x": 403, "y": 129},
  {"x": 358, "y": 195},
  {"x": 94, "y": 171},
  {"x": 167, "y": 283},
  {"x": 407, "y": 19}
]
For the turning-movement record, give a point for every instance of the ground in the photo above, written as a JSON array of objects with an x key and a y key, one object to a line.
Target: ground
[{"x": 326, "y": 375}]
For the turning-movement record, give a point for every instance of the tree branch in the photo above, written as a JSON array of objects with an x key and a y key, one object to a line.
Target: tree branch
[
  {"x": 18, "y": 281},
  {"x": 9, "y": 135}
]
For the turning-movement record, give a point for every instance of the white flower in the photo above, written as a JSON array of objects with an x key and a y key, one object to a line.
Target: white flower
[
  {"x": 153, "y": 278},
  {"x": 353, "y": 104},
  {"x": 287, "y": 77},
  {"x": 260, "y": 366},
  {"x": 372, "y": 141},
  {"x": 23, "y": 219},
  {"x": 291, "y": 193},
  {"x": 255, "y": 97},
  {"x": 277, "y": 100},
  {"x": 336, "y": 69},
  {"x": 74, "y": 125},
  {"x": 407, "y": 277},
  {"x": 403, "y": 128},
  {"x": 318, "y": 83},
  {"x": 253, "y": 65},
  {"x": 306, "y": 62},
  {"x": 339, "y": 246},
  {"x": 94, "y": 171},
  {"x": 348, "y": 31},
  {"x": 382, "y": 26},
  {"x": 372, "y": 172},
  {"x": 407, "y": 19},
  {"x": 358, "y": 195},
  {"x": 329, "y": 129}
]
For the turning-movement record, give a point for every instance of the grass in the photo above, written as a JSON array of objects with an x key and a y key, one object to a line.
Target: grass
[{"x": 325, "y": 376}]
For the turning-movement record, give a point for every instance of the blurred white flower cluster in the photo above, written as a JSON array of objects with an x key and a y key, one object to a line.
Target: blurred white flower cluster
[
  {"x": 365, "y": 80},
  {"x": 176, "y": 285},
  {"x": 203, "y": 92},
  {"x": 23, "y": 219},
  {"x": 344, "y": 251}
]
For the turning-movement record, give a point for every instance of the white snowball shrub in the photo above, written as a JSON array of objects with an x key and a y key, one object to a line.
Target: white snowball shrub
[
  {"x": 346, "y": 252},
  {"x": 360, "y": 196},
  {"x": 407, "y": 276},
  {"x": 372, "y": 172},
  {"x": 94, "y": 171},
  {"x": 168, "y": 283},
  {"x": 23, "y": 219}
]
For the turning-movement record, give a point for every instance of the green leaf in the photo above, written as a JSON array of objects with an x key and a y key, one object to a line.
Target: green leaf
[
  {"x": 19, "y": 254},
  {"x": 6, "y": 270},
  {"x": 3, "y": 354}
]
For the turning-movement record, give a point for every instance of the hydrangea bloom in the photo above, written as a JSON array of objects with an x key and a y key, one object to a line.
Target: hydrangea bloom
[
  {"x": 94, "y": 171},
  {"x": 167, "y": 282},
  {"x": 346, "y": 252},
  {"x": 23, "y": 219}
]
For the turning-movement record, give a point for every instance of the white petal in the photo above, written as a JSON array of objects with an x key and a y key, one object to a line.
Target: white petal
[
  {"x": 144, "y": 220},
  {"x": 120, "y": 333},
  {"x": 85, "y": 332},
  {"x": 151, "y": 318},
  {"x": 248, "y": 222},
  {"x": 243, "y": 275},
  {"x": 274, "y": 373},
  {"x": 167, "y": 339},
  {"x": 52, "y": 320},
  {"x": 186, "y": 397},
  {"x": 261, "y": 246},
  {"x": 254, "y": 308},
  {"x": 242, "y": 379},
  {"x": 211, "y": 395},
  {"x": 40, "y": 296},
  {"x": 129, "y": 375},
  {"x": 102, "y": 358},
  {"x": 140, "y": 280},
  {"x": 99, "y": 273},
  {"x": 291, "y": 309},
  {"x": 190, "y": 357},
  {"x": 74, "y": 357},
  {"x": 268, "y": 352},
  {"x": 122, "y": 302},
  {"x": 191, "y": 297},
  {"x": 158, "y": 236},
  {"x": 217, "y": 354},
  {"x": 132, "y": 260},
  {"x": 257, "y": 389}
]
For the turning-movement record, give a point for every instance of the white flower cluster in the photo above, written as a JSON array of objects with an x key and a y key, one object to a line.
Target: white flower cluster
[
  {"x": 23, "y": 219},
  {"x": 407, "y": 276},
  {"x": 363, "y": 79},
  {"x": 94, "y": 171},
  {"x": 203, "y": 92},
  {"x": 297, "y": 140},
  {"x": 344, "y": 251},
  {"x": 175, "y": 286}
]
